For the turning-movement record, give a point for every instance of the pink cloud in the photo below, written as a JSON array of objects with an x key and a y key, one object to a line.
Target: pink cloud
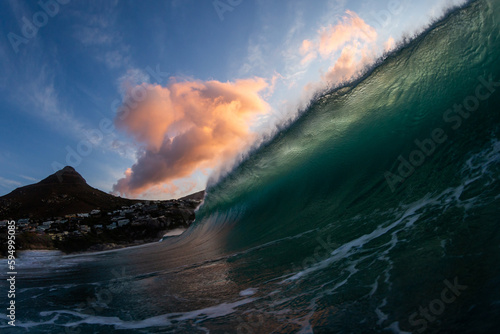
[
  {"x": 188, "y": 126},
  {"x": 352, "y": 37},
  {"x": 333, "y": 38},
  {"x": 308, "y": 50},
  {"x": 352, "y": 27},
  {"x": 352, "y": 60},
  {"x": 389, "y": 44},
  {"x": 158, "y": 191},
  {"x": 307, "y": 45}
]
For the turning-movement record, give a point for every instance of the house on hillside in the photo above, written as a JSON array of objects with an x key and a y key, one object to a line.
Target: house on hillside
[
  {"x": 123, "y": 222},
  {"x": 23, "y": 222},
  {"x": 41, "y": 228}
]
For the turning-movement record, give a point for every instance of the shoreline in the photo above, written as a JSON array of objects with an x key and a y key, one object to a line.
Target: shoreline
[
  {"x": 87, "y": 251},
  {"x": 91, "y": 252},
  {"x": 105, "y": 247}
]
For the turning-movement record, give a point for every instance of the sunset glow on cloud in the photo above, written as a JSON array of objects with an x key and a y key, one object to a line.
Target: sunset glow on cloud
[
  {"x": 351, "y": 45},
  {"x": 334, "y": 37},
  {"x": 187, "y": 126},
  {"x": 193, "y": 125},
  {"x": 353, "y": 59}
]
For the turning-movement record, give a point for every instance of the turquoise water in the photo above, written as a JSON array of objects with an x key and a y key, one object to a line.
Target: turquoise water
[{"x": 376, "y": 211}]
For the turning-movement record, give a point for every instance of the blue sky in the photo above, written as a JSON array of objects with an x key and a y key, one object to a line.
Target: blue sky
[{"x": 61, "y": 87}]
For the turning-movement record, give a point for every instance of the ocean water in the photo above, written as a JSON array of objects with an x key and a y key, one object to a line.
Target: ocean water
[{"x": 376, "y": 211}]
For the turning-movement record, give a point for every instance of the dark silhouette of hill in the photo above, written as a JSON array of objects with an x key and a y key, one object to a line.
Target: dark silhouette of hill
[
  {"x": 64, "y": 192},
  {"x": 196, "y": 196}
]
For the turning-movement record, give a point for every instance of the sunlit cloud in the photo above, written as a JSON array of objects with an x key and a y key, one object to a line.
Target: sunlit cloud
[
  {"x": 351, "y": 28},
  {"x": 390, "y": 44},
  {"x": 174, "y": 189},
  {"x": 353, "y": 58},
  {"x": 188, "y": 126},
  {"x": 352, "y": 37}
]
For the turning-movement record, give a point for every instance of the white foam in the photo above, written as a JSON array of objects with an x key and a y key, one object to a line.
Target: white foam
[
  {"x": 174, "y": 233},
  {"x": 381, "y": 315},
  {"x": 374, "y": 287},
  {"x": 346, "y": 249},
  {"x": 211, "y": 312},
  {"x": 394, "y": 327},
  {"x": 248, "y": 292}
]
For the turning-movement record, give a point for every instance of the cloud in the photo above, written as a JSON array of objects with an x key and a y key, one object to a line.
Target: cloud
[
  {"x": 96, "y": 29},
  {"x": 171, "y": 190},
  {"x": 256, "y": 60},
  {"x": 274, "y": 80},
  {"x": 187, "y": 126},
  {"x": 115, "y": 59},
  {"x": 353, "y": 58},
  {"x": 133, "y": 77},
  {"x": 40, "y": 98},
  {"x": 6, "y": 183},
  {"x": 29, "y": 178},
  {"x": 389, "y": 44},
  {"x": 351, "y": 44},
  {"x": 92, "y": 36},
  {"x": 307, "y": 50},
  {"x": 352, "y": 27}
]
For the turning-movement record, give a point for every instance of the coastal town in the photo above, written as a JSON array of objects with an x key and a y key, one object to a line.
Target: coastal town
[
  {"x": 62, "y": 212},
  {"x": 141, "y": 222}
]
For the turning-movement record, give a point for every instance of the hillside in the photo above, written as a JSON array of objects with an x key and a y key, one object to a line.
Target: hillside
[{"x": 64, "y": 192}]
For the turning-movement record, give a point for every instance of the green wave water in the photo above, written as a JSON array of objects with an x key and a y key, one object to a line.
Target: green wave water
[
  {"x": 333, "y": 161},
  {"x": 376, "y": 211}
]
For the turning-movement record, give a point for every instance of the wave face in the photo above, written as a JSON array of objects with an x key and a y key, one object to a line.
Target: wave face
[
  {"x": 333, "y": 162},
  {"x": 376, "y": 211}
]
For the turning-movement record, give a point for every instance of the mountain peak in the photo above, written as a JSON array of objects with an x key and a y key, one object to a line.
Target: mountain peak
[
  {"x": 67, "y": 175},
  {"x": 64, "y": 192}
]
